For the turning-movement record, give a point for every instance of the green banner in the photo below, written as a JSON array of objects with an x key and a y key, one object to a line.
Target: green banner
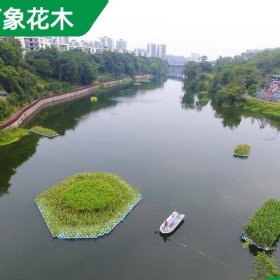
[{"x": 49, "y": 17}]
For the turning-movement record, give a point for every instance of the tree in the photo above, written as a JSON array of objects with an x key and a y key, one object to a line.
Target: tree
[{"x": 5, "y": 109}]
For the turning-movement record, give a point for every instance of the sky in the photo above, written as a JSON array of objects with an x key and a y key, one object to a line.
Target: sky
[{"x": 213, "y": 28}]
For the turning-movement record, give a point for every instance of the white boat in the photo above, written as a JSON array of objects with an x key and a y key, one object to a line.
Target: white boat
[{"x": 171, "y": 223}]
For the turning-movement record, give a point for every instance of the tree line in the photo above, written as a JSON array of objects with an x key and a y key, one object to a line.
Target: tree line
[
  {"x": 26, "y": 77},
  {"x": 227, "y": 79}
]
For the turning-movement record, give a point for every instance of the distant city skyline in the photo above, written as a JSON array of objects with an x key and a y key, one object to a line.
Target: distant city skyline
[{"x": 213, "y": 28}]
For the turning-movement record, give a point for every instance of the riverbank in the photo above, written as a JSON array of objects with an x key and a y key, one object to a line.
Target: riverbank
[
  {"x": 261, "y": 107},
  {"x": 11, "y": 136},
  {"x": 18, "y": 118}
]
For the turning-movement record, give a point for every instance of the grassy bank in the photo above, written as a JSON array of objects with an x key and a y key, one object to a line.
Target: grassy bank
[
  {"x": 264, "y": 108},
  {"x": 264, "y": 226},
  {"x": 13, "y": 135},
  {"x": 87, "y": 205}
]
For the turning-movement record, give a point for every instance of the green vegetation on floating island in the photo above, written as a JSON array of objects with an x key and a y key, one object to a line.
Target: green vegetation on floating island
[
  {"x": 12, "y": 135},
  {"x": 264, "y": 226},
  {"x": 44, "y": 131},
  {"x": 93, "y": 99},
  {"x": 242, "y": 150},
  {"x": 87, "y": 205}
]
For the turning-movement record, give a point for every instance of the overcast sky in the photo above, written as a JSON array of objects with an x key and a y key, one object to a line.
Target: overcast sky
[{"x": 212, "y": 28}]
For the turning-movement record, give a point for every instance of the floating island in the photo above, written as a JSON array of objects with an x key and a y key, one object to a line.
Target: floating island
[
  {"x": 87, "y": 206},
  {"x": 94, "y": 99},
  {"x": 263, "y": 229},
  {"x": 242, "y": 151},
  {"x": 46, "y": 132}
]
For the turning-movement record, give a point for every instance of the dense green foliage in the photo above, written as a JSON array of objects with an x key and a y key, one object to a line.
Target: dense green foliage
[
  {"x": 47, "y": 71},
  {"x": 13, "y": 135},
  {"x": 265, "y": 267},
  {"x": 44, "y": 131},
  {"x": 242, "y": 150},
  {"x": 227, "y": 79},
  {"x": 88, "y": 195},
  {"x": 264, "y": 226},
  {"x": 85, "y": 205}
]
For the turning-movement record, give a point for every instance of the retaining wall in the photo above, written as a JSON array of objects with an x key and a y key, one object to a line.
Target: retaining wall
[{"x": 25, "y": 113}]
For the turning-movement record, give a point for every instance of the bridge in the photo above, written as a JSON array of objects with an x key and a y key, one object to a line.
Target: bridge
[{"x": 176, "y": 71}]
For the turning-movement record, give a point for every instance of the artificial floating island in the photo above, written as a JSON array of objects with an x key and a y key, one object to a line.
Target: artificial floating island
[
  {"x": 93, "y": 99},
  {"x": 242, "y": 151},
  {"x": 46, "y": 132},
  {"x": 87, "y": 206},
  {"x": 263, "y": 228}
]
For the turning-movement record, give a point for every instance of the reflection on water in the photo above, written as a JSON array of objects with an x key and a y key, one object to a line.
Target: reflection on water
[
  {"x": 12, "y": 156},
  {"x": 231, "y": 116}
]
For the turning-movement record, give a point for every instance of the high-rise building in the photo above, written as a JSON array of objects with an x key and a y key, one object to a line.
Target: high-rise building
[
  {"x": 140, "y": 52},
  {"x": 161, "y": 51},
  {"x": 107, "y": 42},
  {"x": 32, "y": 43},
  {"x": 195, "y": 57},
  {"x": 97, "y": 45},
  {"x": 63, "y": 40},
  {"x": 152, "y": 50},
  {"x": 121, "y": 45}
]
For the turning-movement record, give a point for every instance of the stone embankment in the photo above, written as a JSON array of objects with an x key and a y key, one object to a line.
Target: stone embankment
[{"x": 34, "y": 107}]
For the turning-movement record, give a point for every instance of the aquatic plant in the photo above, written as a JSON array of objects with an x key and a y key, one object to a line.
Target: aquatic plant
[
  {"x": 265, "y": 268},
  {"x": 12, "y": 135},
  {"x": 93, "y": 99},
  {"x": 87, "y": 205},
  {"x": 44, "y": 131},
  {"x": 242, "y": 150},
  {"x": 264, "y": 226}
]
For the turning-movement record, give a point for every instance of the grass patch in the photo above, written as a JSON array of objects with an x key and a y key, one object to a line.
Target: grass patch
[
  {"x": 264, "y": 226},
  {"x": 267, "y": 109},
  {"x": 88, "y": 195},
  {"x": 44, "y": 131},
  {"x": 12, "y": 135},
  {"x": 87, "y": 205},
  {"x": 242, "y": 150}
]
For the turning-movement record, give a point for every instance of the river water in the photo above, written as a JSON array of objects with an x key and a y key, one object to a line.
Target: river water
[{"x": 176, "y": 151}]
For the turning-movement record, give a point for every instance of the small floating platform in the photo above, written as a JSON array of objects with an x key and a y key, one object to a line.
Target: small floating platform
[
  {"x": 42, "y": 131},
  {"x": 171, "y": 223},
  {"x": 93, "y": 99},
  {"x": 242, "y": 151}
]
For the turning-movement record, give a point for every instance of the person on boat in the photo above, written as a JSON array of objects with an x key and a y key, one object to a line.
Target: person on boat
[{"x": 166, "y": 224}]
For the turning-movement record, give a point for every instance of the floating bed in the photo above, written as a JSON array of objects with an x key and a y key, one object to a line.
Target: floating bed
[
  {"x": 46, "y": 132},
  {"x": 263, "y": 228},
  {"x": 242, "y": 151},
  {"x": 87, "y": 206},
  {"x": 93, "y": 99}
]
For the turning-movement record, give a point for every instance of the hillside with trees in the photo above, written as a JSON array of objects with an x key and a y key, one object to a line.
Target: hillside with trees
[
  {"x": 226, "y": 80},
  {"x": 26, "y": 77}
]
